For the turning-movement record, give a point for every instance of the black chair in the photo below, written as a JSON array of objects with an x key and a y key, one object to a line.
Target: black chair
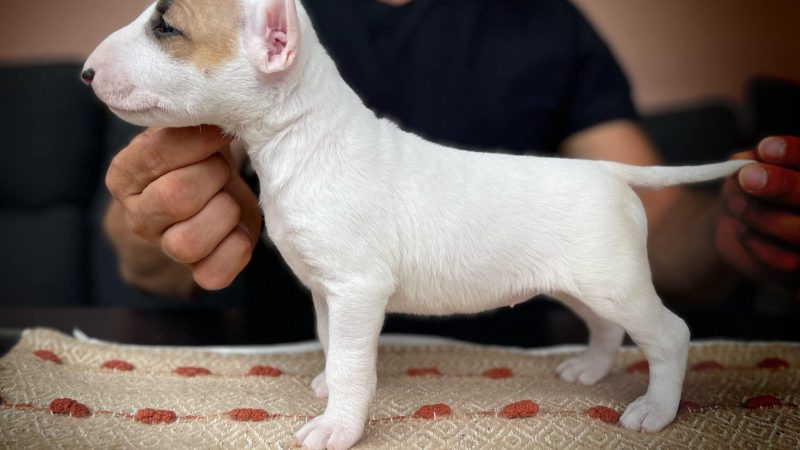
[
  {"x": 773, "y": 103},
  {"x": 703, "y": 133},
  {"x": 58, "y": 140}
]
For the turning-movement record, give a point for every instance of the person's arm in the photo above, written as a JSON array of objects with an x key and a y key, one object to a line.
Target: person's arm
[{"x": 181, "y": 219}]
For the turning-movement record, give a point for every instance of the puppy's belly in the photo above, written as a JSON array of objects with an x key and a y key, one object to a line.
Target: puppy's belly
[{"x": 461, "y": 298}]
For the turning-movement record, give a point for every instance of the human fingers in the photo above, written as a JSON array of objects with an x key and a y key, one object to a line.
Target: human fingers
[
  {"x": 176, "y": 196},
  {"x": 156, "y": 152},
  {"x": 194, "y": 239},
  {"x": 757, "y": 238},
  {"x": 772, "y": 255},
  {"x": 754, "y": 257},
  {"x": 220, "y": 268},
  {"x": 776, "y": 184},
  {"x": 780, "y": 150},
  {"x": 764, "y": 218}
]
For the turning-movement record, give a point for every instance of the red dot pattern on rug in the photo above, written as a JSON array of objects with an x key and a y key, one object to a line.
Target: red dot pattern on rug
[
  {"x": 155, "y": 416},
  {"x": 521, "y": 409},
  {"x": 433, "y": 411},
  {"x": 68, "y": 406},
  {"x": 117, "y": 365},
  {"x": 525, "y": 408},
  {"x": 191, "y": 372},
  {"x": 639, "y": 367},
  {"x": 248, "y": 415},
  {"x": 424, "y": 372},
  {"x": 603, "y": 413},
  {"x": 47, "y": 355},
  {"x": 264, "y": 371},
  {"x": 687, "y": 406},
  {"x": 763, "y": 401},
  {"x": 498, "y": 373},
  {"x": 773, "y": 363}
]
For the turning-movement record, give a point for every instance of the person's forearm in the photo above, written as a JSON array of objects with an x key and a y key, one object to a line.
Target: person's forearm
[
  {"x": 143, "y": 265},
  {"x": 685, "y": 262}
]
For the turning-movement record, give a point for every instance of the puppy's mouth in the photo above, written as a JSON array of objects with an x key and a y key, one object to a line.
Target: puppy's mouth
[
  {"x": 127, "y": 102},
  {"x": 134, "y": 109},
  {"x": 138, "y": 113}
]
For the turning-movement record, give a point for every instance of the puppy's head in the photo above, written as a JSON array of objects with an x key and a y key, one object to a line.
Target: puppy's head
[{"x": 192, "y": 62}]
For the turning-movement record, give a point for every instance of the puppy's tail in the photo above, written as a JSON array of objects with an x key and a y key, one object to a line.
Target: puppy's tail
[{"x": 655, "y": 177}]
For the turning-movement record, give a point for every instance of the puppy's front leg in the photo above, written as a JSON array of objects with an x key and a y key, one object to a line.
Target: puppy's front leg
[
  {"x": 354, "y": 324},
  {"x": 319, "y": 385}
]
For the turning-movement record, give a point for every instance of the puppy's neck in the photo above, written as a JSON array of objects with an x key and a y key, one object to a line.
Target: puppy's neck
[{"x": 315, "y": 115}]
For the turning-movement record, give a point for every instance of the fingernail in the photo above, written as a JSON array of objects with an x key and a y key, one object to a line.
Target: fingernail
[
  {"x": 773, "y": 148},
  {"x": 753, "y": 178},
  {"x": 737, "y": 205}
]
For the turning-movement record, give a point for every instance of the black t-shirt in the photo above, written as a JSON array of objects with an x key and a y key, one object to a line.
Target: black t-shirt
[{"x": 516, "y": 75}]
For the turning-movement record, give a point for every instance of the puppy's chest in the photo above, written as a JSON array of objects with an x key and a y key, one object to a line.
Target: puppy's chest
[{"x": 288, "y": 229}]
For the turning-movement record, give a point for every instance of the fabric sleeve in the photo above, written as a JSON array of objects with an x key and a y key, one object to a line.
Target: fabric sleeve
[{"x": 599, "y": 90}]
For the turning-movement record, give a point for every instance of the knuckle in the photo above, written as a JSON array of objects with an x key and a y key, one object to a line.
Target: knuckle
[
  {"x": 111, "y": 180},
  {"x": 229, "y": 203},
  {"x": 219, "y": 166},
  {"x": 171, "y": 197},
  {"x": 212, "y": 281},
  {"x": 153, "y": 161},
  {"x": 183, "y": 245},
  {"x": 217, "y": 276},
  {"x": 137, "y": 224},
  {"x": 115, "y": 179}
]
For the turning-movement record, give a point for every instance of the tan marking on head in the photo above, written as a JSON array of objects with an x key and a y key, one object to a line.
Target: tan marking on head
[{"x": 210, "y": 31}]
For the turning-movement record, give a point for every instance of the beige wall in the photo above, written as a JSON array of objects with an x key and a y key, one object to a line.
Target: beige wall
[
  {"x": 682, "y": 50},
  {"x": 674, "y": 50},
  {"x": 60, "y": 29}
]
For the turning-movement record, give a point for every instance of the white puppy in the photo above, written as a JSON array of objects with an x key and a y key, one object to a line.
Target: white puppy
[{"x": 374, "y": 220}]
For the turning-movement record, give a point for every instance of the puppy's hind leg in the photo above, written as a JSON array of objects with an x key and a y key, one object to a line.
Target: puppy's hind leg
[
  {"x": 664, "y": 339},
  {"x": 605, "y": 338}
]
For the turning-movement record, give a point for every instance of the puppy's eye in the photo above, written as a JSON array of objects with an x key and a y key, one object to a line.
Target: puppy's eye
[{"x": 164, "y": 30}]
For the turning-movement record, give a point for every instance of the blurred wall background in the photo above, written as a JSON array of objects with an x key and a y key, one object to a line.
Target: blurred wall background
[{"x": 675, "y": 51}]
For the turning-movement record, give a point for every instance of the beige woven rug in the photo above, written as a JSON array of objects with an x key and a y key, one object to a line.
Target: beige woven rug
[{"x": 58, "y": 392}]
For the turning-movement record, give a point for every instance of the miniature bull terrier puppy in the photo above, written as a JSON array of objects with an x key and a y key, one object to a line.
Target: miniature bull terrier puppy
[{"x": 373, "y": 219}]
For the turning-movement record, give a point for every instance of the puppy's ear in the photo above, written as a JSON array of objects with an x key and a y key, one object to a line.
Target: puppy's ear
[{"x": 273, "y": 35}]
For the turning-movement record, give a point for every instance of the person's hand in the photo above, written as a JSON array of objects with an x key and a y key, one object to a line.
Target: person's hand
[
  {"x": 759, "y": 232},
  {"x": 177, "y": 192}
]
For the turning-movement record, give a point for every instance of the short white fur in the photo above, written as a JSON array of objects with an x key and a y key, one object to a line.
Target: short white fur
[{"x": 373, "y": 219}]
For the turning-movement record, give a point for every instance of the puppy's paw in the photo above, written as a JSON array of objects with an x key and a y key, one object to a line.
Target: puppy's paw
[
  {"x": 586, "y": 369},
  {"x": 647, "y": 415},
  {"x": 320, "y": 386},
  {"x": 325, "y": 432}
]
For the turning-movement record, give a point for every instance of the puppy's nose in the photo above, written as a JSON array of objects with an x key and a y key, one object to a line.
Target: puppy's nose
[{"x": 87, "y": 76}]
